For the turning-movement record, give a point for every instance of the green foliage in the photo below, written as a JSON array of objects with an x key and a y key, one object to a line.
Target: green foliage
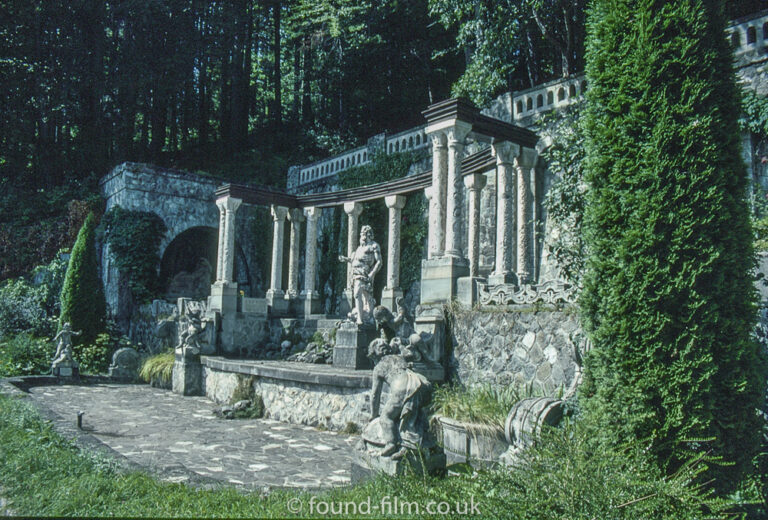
[
  {"x": 484, "y": 404},
  {"x": 567, "y": 475},
  {"x": 24, "y": 354},
  {"x": 134, "y": 239},
  {"x": 566, "y": 198},
  {"x": 32, "y": 306},
  {"x": 754, "y": 113},
  {"x": 158, "y": 368},
  {"x": 82, "y": 296},
  {"x": 668, "y": 296},
  {"x": 94, "y": 357}
]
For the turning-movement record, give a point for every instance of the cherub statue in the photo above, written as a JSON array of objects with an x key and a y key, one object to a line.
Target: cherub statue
[
  {"x": 366, "y": 262},
  {"x": 400, "y": 423},
  {"x": 189, "y": 337},
  {"x": 64, "y": 347}
]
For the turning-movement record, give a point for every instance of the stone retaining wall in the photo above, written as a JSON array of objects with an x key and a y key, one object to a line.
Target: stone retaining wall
[
  {"x": 523, "y": 347},
  {"x": 321, "y": 403}
]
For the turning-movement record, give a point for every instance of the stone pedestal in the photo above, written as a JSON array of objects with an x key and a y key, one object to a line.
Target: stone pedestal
[
  {"x": 277, "y": 304},
  {"x": 346, "y": 303},
  {"x": 66, "y": 370},
  {"x": 439, "y": 276},
  {"x": 508, "y": 278},
  {"x": 389, "y": 298},
  {"x": 351, "y": 350},
  {"x": 312, "y": 304},
  {"x": 432, "y": 323},
  {"x": 367, "y": 465},
  {"x": 224, "y": 297},
  {"x": 467, "y": 290},
  {"x": 187, "y": 375}
]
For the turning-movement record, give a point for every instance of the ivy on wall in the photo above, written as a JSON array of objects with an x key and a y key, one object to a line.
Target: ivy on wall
[
  {"x": 754, "y": 119},
  {"x": 134, "y": 239},
  {"x": 413, "y": 231}
]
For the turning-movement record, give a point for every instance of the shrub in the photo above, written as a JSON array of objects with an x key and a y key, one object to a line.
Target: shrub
[
  {"x": 668, "y": 295},
  {"x": 24, "y": 354},
  {"x": 158, "y": 368},
  {"x": 82, "y": 296},
  {"x": 95, "y": 357}
]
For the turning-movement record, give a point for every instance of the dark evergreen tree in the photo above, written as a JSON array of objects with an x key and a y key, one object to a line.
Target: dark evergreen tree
[
  {"x": 669, "y": 299},
  {"x": 82, "y": 296}
]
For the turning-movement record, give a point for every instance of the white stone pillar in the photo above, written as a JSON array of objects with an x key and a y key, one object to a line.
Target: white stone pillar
[
  {"x": 228, "y": 206},
  {"x": 278, "y": 229},
  {"x": 296, "y": 217},
  {"x": 220, "y": 250},
  {"x": 504, "y": 271},
  {"x": 525, "y": 163},
  {"x": 474, "y": 183},
  {"x": 353, "y": 210},
  {"x": 392, "y": 291},
  {"x": 454, "y": 224},
  {"x": 432, "y": 223},
  {"x": 310, "y": 257},
  {"x": 437, "y": 206}
]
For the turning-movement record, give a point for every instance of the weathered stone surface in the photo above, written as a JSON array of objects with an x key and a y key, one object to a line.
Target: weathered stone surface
[
  {"x": 125, "y": 364},
  {"x": 519, "y": 346}
]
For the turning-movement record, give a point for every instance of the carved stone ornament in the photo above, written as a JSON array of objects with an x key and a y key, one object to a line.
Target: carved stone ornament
[{"x": 551, "y": 292}]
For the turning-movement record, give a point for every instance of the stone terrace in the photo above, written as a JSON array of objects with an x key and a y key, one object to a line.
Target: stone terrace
[{"x": 181, "y": 440}]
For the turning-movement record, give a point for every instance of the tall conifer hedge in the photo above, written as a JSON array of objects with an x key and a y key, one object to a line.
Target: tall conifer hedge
[
  {"x": 82, "y": 296},
  {"x": 669, "y": 298}
]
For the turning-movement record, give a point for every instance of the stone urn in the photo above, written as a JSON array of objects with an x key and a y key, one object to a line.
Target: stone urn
[{"x": 480, "y": 445}]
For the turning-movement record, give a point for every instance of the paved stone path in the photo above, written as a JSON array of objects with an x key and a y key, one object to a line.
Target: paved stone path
[{"x": 180, "y": 438}]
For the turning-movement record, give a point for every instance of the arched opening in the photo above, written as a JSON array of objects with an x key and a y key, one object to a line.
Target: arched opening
[
  {"x": 418, "y": 139},
  {"x": 519, "y": 107},
  {"x": 410, "y": 142},
  {"x": 572, "y": 91},
  {"x": 550, "y": 97},
  {"x": 188, "y": 267},
  {"x": 529, "y": 104},
  {"x": 736, "y": 38},
  {"x": 751, "y": 35},
  {"x": 561, "y": 94},
  {"x": 539, "y": 101}
]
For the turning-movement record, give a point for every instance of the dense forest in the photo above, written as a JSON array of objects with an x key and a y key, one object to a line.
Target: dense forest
[{"x": 238, "y": 88}]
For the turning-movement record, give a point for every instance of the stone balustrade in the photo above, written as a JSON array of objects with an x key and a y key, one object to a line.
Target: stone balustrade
[
  {"x": 749, "y": 34},
  {"x": 332, "y": 166},
  {"x": 411, "y": 139}
]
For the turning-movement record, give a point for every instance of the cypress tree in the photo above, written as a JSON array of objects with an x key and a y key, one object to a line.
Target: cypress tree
[
  {"x": 668, "y": 296},
  {"x": 82, "y": 296}
]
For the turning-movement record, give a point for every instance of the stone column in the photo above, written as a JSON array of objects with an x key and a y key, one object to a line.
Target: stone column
[
  {"x": 226, "y": 262},
  {"x": 296, "y": 217},
  {"x": 220, "y": 250},
  {"x": 474, "y": 183},
  {"x": 432, "y": 223},
  {"x": 353, "y": 210},
  {"x": 525, "y": 163},
  {"x": 504, "y": 271},
  {"x": 275, "y": 291},
  {"x": 392, "y": 291},
  {"x": 310, "y": 295},
  {"x": 437, "y": 207},
  {"x": 454, "y": 224}
]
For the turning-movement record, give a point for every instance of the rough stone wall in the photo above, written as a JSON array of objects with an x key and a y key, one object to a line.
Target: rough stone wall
[
  {"x": 522, "y": 347},
  {"x": 143, "y": 326},
  {"x": 298, "y": 403}
]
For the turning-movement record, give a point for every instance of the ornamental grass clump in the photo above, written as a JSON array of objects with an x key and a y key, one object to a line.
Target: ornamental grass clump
[
  {"x": 668, "y": 297},
  {"x": 483, "y": 405},
  {"x": 158, "y": 368}
]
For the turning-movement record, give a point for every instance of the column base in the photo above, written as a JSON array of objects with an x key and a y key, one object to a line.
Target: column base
[
  {"x": 438, "y": 278},
  {"x": 224, "y": 297},
  {"x": 277, "y": 305},
  {"x": 187, "y": 376},
  {"x": 466, "y": 287},
  {"x": 351, "y": 349},
  {"x": 311, "y": 303},
  {"x": 502, "y": 278},
  {"x": 389, "y": 298}
]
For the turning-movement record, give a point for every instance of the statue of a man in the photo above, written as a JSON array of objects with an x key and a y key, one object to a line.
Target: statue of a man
[{"x": 366, "y": 262}]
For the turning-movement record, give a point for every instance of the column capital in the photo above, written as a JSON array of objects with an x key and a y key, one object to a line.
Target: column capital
[
  {"x": 228, "y": 203},
  {"x": 505, "y": 152},
  {"x": 475, "y": 181},
  {"x": 313, "y": 213},
  {"x": 395, "y": 201},
  {"x": 438, "y": 137},
  {"x": 429, "y": 192},
  {"x": 353, "y": 209},
  {"x": 457, "y": 133},
  {"x": 295, "y": 215},
  {"x": 278, "y": 212},
  {"x": 527, "y": 158}
]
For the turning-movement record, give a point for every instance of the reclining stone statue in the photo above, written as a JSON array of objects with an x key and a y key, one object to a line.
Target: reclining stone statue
[{"x": 400, "y": 423}]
